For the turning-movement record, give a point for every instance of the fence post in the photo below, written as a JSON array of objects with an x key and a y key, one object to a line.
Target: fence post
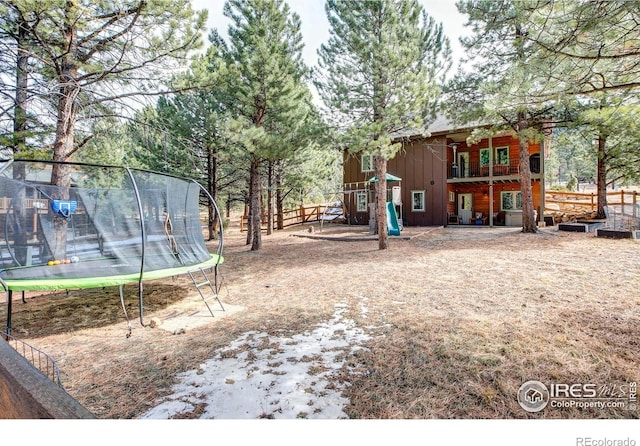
[
  {"x": 302, "y": 214},
  {"x": 592, "y": 202}
]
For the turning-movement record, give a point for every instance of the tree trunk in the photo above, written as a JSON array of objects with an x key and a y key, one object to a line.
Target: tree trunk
[
  {"x": 602, "y": 176},
  {"x": 18, "y": 206},
  {"x": 20, "y": 109},
  {"x": 528, "y": 217},
  {"x": 63, "y": 146},
  {"x": 279, "y": 199},
  {"x": 61, "y": 177},
  {"x": 270, "y": 206},
  {"x": 381, "y": 201},
  {"x": 247, "y": 210},
  {"x": 19, "y": 141},
  {"x": 212, "y": 170},
  {"x": 254, "y": 206},
  {"x": 247, "y": 207}
]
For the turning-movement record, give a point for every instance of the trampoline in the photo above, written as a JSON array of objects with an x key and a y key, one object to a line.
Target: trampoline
[{"x": 77, "y": 225}]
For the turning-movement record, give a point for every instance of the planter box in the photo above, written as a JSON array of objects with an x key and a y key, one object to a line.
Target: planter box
[
  {"x": 614, "y": 233},
  {"x": 580, "y": 227}
]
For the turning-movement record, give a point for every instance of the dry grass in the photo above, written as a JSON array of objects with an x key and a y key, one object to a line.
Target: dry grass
[{"x": 459, "y": 319}]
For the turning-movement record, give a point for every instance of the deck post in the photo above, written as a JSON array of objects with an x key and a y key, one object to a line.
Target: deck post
[
  {"x": 543, "y": 189},
  {"x": 491, "y": 181}
]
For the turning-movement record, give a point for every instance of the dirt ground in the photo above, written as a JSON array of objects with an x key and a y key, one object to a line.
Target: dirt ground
[{"x": 457, "y": 320}]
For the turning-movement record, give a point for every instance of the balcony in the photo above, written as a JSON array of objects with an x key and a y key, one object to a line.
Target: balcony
[{"x": 474, "y": 171}]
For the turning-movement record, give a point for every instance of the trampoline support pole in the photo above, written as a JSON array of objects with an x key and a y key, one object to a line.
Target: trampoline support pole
[
  {"x": 9, "y": 295},
  {"x": 124, "y": 308},
  {"x": 140, "y": 293},
  {"x": 144, "y": 242},
  {"x": 9, "y": 310}
]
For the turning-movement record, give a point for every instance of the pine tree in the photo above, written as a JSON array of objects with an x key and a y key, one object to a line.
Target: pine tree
[
  {"x": 609, "y": 125},
  {"x": 590, "y": 46},
  {"x": 93, "y": 55},
  {"x": 267, "y": 99},
  {"x": 500, "y": 88},
  {"x": 378, "y": 76},
  {"x": 590, "y": 54}
]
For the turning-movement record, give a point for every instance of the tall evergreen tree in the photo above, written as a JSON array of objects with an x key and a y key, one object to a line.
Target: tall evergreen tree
[
  {"x": 266, "y": 96},
  {"x": 17, "y": 123},
  {"x": 94, "y": 54},
  {"x": 186, "y": 134},
  {"x": 572, "y": 156},
  {"x": 590, "y": 52},
  {"x": 378, "y": 77},
  {"x": 615, "y": 134},
  {"x": 498, "y": 89}
]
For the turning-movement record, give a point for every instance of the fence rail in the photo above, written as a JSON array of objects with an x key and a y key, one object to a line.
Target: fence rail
[
  {"x": 581, "y": 201},
  {"x": 303, "y": 214},
  {"x": 28, "y": 394},
  {"x": 40, "y": 360}
]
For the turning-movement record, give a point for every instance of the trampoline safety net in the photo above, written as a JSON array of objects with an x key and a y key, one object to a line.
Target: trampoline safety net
[{"x": 69, "y": 225}]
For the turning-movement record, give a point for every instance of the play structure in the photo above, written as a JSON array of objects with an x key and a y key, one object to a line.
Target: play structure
[
  {"x": 393, "y": 207},
  {"x": 359, "y": 198},
  {"x": 393, "y": 226},
  {"x": 334, "y": 212},
  {"x": 73, "y": 225}
]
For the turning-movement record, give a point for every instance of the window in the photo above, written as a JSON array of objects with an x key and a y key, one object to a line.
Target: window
[
  {"x": 361, "y": 202},
  {"x": 484, "y": 157},
  {"x": 417, "y": 200},
  {"x": 366, "y": 163},
  {"x": 502, "y": 155},
  {"x": 511, "y": 200}
]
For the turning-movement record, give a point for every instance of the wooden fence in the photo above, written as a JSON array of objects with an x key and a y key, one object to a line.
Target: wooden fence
[
  {"x": 586, "y": 202},
  {"x": 303, "y": 214}
]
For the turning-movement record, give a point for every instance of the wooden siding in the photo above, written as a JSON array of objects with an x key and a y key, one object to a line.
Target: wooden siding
[
  {"x": 480, "y": 190},
  {"x": 501, "y": 141},
  {"x": 421, "y": 166},
  {"x": 424, "y": 164},
  {"x": 481, "y": 196}
]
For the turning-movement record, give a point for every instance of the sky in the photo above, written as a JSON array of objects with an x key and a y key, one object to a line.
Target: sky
[{"x": 315, "y": 27}]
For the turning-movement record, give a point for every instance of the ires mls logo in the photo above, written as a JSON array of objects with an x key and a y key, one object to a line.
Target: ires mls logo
[
  {"x": 533, "y": 396},
  {"x": 573, "y": 390}
]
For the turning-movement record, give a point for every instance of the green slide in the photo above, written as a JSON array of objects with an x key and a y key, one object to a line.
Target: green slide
[{"x": 393, "y": 227}]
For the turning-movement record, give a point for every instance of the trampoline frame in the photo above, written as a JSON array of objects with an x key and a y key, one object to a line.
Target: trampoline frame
[{"x": 119, "y": 280}]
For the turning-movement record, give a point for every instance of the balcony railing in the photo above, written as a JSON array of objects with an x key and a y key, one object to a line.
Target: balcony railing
[{"x": 477, "y": 170}]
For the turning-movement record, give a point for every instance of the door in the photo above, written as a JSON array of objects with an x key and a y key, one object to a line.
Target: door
[
  {"x": 463, "y": 164},
  {"x": 465, "y": 206}
]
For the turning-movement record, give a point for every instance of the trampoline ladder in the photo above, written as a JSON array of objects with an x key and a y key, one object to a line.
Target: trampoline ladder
[{"x": 202, "y": 282}]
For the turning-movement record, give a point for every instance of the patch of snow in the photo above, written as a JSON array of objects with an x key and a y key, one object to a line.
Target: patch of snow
[
  {"x": 262, "y": 376},
  {"x": 364, "y": 311}
]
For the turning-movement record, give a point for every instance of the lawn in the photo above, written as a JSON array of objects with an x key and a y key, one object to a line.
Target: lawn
[{"x": 447, "y": 323}]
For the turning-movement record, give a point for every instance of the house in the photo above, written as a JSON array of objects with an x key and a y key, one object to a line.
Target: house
[{"x": 442, "y": 180}]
